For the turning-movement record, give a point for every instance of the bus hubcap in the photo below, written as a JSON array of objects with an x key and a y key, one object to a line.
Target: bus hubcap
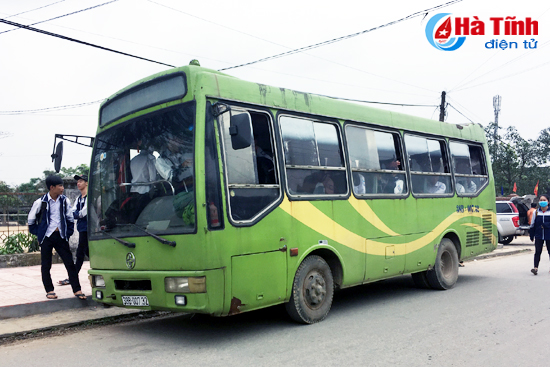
[{"x": 315, "y": 289}]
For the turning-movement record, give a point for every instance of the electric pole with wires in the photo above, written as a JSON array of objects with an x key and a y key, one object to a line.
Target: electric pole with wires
[{"x": 442, "y": 107}]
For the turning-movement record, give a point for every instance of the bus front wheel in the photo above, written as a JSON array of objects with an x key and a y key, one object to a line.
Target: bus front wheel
[
  {"x": 445, "y": 272},
  {"x": 312, "y": 291}
]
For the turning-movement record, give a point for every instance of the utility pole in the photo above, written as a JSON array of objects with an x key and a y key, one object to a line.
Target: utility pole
[
  {"x": 442, "y": 107},
  {"x": 496, "y": 105}
]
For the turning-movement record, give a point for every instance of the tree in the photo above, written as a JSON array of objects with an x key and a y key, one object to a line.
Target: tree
[
  {"x": 520, "y": 161},
  {"x": 39, "y": 184}
]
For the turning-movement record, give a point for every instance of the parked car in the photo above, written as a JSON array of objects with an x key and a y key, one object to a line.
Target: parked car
[{"x": 508, "y": 222}]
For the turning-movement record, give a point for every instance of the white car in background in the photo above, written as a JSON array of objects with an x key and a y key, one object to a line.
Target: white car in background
[{"x": 508, "y": 222}]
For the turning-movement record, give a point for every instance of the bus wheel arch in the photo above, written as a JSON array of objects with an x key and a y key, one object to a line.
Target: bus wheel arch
[
  {"x": 444, "y": 274},
  {"x": 335, "y": 264},
  {"x": 312, "y": 291},
  {"x": 456, "y": 241}
]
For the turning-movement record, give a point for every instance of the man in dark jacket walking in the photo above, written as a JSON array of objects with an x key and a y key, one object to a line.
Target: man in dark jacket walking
[{"x": 51, "y": 220}]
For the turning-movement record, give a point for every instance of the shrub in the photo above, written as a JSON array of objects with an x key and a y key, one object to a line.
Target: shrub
[{"x": 17, "y": 243}]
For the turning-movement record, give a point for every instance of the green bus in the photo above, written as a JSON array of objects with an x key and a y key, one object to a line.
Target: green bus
[{"x": 210, "y": 194}]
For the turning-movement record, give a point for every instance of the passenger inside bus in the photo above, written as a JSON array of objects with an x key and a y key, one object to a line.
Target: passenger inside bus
[
  {"x": 434, "y": 186},
  {"x": 143, "y": 170},
  {"x": 464, "y": 184},
  {"x": 175, "y": 165},
  {"x": 325, "y": 186},
  {"x": 392, "y": 183}
]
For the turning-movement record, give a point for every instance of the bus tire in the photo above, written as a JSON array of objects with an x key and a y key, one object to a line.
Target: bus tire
[
  {"x": 312, "y": 291},
  {"x": 445, "y": 272},
  {"x": 420, "y": 280}
]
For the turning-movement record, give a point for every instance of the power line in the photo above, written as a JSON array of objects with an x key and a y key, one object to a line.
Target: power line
[
  {"x": 28, "y": 11},
  {"x": 454, "y": 100},
  {"x": 504, "y": 77},
  {"x": 450, "y": 105},
  {"x": 62, "y": 16},
  {"x": 334, "y": 40},
  {"x": 57, "y": 108},
  {"x": 277, "y": 44},
  {"x": 385, "y": 103},
  {"x": 494, "y": 69},
  {"x": 81, "y": 42}
]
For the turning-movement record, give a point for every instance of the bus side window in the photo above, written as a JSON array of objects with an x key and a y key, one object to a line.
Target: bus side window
[
  {"x": 469, "y": 167},
  {"x": 313, "y": 157},
  {"x": 252, "y": 177},
  {"x": 430, "y": 172},
  {"x": 376, "y": 162},
  {"x": 263, "y": 149}
]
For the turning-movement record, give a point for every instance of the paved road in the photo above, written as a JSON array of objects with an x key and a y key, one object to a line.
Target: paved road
[{"x": 495, "y": 316}]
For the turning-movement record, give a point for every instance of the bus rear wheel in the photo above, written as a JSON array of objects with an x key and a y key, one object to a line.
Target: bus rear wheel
[
  {"x": 445, "y": 272},
  {"x": 312, "y": 291}
]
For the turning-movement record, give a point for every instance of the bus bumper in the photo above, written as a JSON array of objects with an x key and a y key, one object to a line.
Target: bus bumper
[{"x": 145, "y": 290}]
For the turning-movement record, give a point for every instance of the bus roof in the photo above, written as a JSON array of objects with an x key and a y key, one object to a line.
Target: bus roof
[{"x": 218, "y": 85}]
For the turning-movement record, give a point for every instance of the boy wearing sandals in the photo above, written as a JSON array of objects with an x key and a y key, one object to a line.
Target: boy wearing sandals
[
  {"x": 51, "y": 220},
  {"x": 79, "y": 211}
]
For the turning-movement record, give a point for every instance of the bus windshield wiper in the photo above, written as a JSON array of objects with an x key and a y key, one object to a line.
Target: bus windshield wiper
[
  {"x": 125, "y": 243},
  {"x": 158, "y": 238}
]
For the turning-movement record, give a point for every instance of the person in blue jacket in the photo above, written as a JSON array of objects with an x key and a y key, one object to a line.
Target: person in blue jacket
[
  {"x": 540, "y": 230},
  {"x": 80, "y": 210},
  {"x": 51, "y": 221}
]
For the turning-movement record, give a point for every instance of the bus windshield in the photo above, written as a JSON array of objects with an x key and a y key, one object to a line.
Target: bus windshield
[{"x": 143, "y": 175}]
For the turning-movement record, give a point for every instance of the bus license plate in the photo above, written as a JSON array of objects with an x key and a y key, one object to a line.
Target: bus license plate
[{"x": 135, "y": 301}]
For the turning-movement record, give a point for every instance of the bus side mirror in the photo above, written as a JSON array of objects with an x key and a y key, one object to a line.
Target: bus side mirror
[
  {"x": 240, "y": 130},
  {"x": 57, "y": 156}
]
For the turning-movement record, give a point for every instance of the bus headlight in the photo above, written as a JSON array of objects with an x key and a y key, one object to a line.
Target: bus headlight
[
  {"x": 185, "y": 285},
  {"x": 99, "y": 282}
]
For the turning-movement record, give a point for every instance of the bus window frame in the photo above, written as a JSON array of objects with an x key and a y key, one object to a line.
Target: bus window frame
[
  {"x": 223, "y": 159},
  {"x": 446, "y": 151},
  {"x": 484, "y": 157},
  {"x": 342, "y": 142},
  {"x": 404, "y": 162}
]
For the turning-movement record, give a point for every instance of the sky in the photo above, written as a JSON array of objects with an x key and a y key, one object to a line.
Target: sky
[{"x": 394, "y": 63}]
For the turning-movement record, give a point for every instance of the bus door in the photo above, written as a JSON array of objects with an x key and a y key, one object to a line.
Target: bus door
[{"x": 253, "y": 190}]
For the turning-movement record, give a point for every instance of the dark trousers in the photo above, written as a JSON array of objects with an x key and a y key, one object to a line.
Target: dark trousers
[
  {"x": 82, "y": 250},
  {"x": 62, "y": 247},
  {"x": 538, "y": 250}
]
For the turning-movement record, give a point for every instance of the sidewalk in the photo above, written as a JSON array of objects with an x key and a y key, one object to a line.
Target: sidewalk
[{"x": 24, "y": 307}]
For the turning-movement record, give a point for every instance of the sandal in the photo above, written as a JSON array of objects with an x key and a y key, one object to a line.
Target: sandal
[
  {"x": 461, "y": 264},
  {"x": 81, "y": 296},
  {"x": 51, "y": 295},
  {"x": 64, "y": 282}
]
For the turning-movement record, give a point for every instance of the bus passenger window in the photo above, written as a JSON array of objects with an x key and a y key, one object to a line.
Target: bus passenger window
[
  {"x": 429, "y": 166},
  {"x": 375, "y": 158},
  {"x": 313, "y": 157},
  {"x": 470, "y": 172}
]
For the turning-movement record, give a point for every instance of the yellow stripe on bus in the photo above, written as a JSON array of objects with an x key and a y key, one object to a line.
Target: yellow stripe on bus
[
  {"x": 366, "y": 212},
  {"x": 308, "y": 214}
]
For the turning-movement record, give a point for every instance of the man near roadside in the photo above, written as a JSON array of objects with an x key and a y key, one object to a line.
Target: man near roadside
[
  {"x": 79, "y": 213},
  {"x": 51, "y": 220}
]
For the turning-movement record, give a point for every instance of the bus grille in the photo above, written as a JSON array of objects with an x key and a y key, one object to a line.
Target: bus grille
[
  {"x": 487, "y": 226},
  {"x": 472, "y": 239},
  {"x": 133, "y": 285}
]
